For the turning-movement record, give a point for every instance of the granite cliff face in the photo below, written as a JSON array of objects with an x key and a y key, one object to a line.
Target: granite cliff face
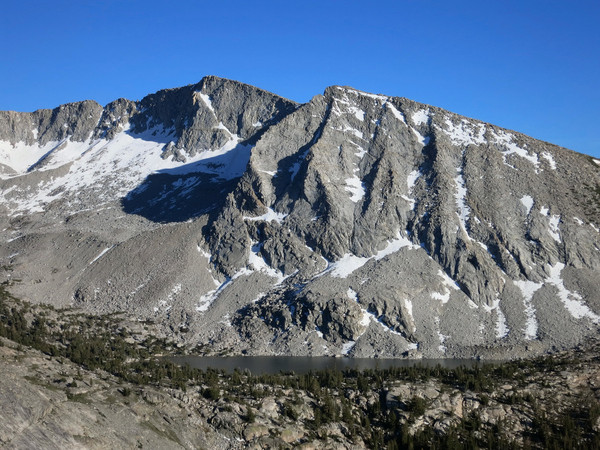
[{"x": 353, "y": 224}]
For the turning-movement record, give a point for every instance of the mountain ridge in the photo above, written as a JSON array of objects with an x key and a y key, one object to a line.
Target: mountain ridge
[{"x": 355, "y": 223}]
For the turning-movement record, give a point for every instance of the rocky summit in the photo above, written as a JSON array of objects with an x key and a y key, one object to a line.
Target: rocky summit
[{"x": 354, "y": 224}]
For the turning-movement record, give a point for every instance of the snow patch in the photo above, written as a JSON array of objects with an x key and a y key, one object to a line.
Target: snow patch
[
  {"x": 357, "y": 112},
  {"x": 409, "y": 309},
  {"x": 501, "y": 327},
  {"x": 356, "y": 187},
  {"x": 269, "y": 216},
  {"x": 420, "y": 117},
  {"x": 349, "y": 263},
  {"x": 412, "y": 179},
  {"x": 347, "y": 347},
  {"x": 447, "y": 281},
  {"x": 444, "y": 298},
  {"x": 442, "y": 338},
  {"x": 505, "y": 140},
  {"x": 572, "y": 300},
  {"x": 528, "y": 289},
  {"x": 548, "y": 157},
  {"x": 112, "y": 169},
  {"x": 364, "y": 94},
  {"x": 463, "y": 208},
  {"x": 553, "y": 229},
  {"x": 348, "y": 128},
  {"x": 464, "y": 133},
  {"x": 260, "y": 265},
  {"x": 208, "y": 299},
  {"x": 397, "y": 114},
  {"x": 424, "y": 140},
  {"x": 206, "y": 99},
  {"x": 346, "y": 265},
  {"x": 352, "y": 295},
  {"x": 527, "y": 202},
  {"x": 411, "y": 201},
  {"x": 295, "y": 168},
  {"x": 361, "y": 151}
]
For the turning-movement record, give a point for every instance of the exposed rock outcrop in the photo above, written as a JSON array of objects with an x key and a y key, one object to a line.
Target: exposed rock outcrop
[{"x": 353, "y": 224}]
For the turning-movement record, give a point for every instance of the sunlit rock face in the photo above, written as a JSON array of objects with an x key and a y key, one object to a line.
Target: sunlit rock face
[{"x": 354, "y": 224}]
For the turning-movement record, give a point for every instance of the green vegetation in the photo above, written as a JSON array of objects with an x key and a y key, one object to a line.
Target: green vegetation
[{"x": 331, "y": 397}]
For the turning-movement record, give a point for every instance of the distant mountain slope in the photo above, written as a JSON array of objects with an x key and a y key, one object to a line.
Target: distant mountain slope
[{"x": 354, "y": 224}]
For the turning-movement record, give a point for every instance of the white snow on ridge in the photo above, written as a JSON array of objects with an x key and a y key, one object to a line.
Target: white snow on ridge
[
  {"x": 506, "y": 141},
  {"x": 411, "y": 201},
  {"x": 420, "y": 117},
  {"x": 527, "y": 202},
  {"x": 113, "y": 168},
  {"x": 203, "y": 252},
  {"x": 597, "y": 161},
  {"x": 464, "y": 133},
  {"x": 366, "y": 320},
  {"x": 363, "y": 94},
  {"x": 395, "y": 245},
  {"x": 22, "y": 157},
  {"x": 397, "y": 114}
]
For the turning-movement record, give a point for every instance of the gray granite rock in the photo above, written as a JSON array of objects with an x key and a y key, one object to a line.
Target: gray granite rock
[{"x": 354, "y": 224}]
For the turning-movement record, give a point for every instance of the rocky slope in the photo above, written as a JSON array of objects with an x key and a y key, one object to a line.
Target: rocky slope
[{"x": 353, "y": 224}]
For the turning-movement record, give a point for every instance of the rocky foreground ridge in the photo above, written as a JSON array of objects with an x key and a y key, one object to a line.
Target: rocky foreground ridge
[{"x": 355, "y": 224}]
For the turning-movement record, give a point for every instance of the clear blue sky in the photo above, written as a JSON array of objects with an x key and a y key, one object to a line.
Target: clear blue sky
[{"x": 528, "y": 65}]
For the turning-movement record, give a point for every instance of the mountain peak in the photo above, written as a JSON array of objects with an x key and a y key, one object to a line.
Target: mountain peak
[{"x": 356, "y": 224}]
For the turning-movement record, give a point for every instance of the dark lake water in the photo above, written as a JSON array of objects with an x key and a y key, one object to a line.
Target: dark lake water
[{"x": 258, "y": 365}]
